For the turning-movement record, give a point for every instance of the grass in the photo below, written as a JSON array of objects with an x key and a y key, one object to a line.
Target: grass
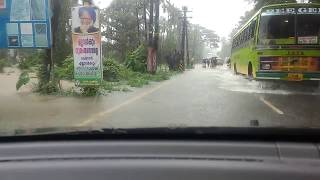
[
  {"x": 130, "y": 79},
  {"x": 139, "y": 80}
]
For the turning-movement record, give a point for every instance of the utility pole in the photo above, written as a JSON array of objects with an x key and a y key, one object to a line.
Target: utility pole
[{"x": 184, "y": 40}]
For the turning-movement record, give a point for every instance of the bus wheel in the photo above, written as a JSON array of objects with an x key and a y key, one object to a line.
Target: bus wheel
[
  {"x": 235, "y": 71},
  {"x": 250, "y": 72}
]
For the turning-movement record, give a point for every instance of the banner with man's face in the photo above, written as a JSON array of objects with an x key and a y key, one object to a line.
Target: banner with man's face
[
  {"x": 85, "y": 20},
  {"x": 86, "y": 38}
]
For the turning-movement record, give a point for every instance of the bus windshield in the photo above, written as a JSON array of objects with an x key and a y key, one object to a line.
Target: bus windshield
[
  {"x": 308, "y": 25},
  {"x": 289, "y": 29},
  {"x": 277, "y": 29}
]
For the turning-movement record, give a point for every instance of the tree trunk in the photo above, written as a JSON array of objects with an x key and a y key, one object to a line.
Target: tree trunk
[
  {"x": 156, "y": 36},
  {"x": 156, "y": 25},
  {"x": 183, "y": 43},
  {"x": 151, "y": 23},
  {"x": 151, "y": 51},
  {"x": 138, "y": 23},
  {"x": 49, "y": 60},
  {"x": 187, "y": 47},
  {"x": 48, "y": 64},
  {"x": 145, "y": 20}
]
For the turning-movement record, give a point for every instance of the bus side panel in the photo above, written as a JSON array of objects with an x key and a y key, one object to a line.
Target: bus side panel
[{"x": 243, "y": 56}]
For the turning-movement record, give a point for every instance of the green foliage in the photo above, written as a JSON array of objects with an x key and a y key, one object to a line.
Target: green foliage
[
  {"x": 66, "y": 71},
  {"x": 124, "y": 25},
  {"x": 45, "y": 85},
  {"x": 120, "y": 26},
  {"x": 196, "y": 42},
  {"x": 62, "y": 30},
  {"x": 125, "y": 89},
  {"x": 225, "y": 49},
  {"x": 137, "y": 60},
  {"x": 163, "y": 75},
  {"x": 138, "y": 81},
  {"x": 48, "y": 88},
  {"x": 30, "y": 61},
  {"x": 23, "y": 65},
  {"x": 111, "y": 70},
  {"x": 125, "y": 74},
  {"x": 210, "y": 37},
  {"x": 23, "y": 80},
  {"x": 2, "y": 65},
  {"x": 90, "y": 91}
]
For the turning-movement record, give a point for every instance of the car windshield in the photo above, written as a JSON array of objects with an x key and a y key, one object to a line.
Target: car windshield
[{"x": 79, "y": 65}]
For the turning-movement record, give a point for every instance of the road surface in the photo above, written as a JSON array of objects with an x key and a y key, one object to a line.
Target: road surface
[{"x": 199, "y": 97}]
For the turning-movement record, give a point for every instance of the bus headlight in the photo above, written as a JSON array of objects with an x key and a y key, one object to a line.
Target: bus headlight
[{"x": 266, "y": 66}]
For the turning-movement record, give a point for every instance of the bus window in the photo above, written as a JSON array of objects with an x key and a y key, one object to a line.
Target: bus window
[
  {"x": 281, "y": 27},
  {"x": 308, "y": 26},
  {"x": 248, "y": 34},
  {"x": 252, "y": 29}
]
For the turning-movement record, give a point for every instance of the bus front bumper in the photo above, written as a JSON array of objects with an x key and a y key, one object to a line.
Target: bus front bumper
[{"x": 286, "y": 76}]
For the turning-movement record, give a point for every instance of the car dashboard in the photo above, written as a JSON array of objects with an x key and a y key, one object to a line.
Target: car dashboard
[{"x": 165, "y": 160}]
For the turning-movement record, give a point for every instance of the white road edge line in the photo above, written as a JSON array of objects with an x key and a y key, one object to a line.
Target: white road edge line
[{"x": 269, "y": 104}]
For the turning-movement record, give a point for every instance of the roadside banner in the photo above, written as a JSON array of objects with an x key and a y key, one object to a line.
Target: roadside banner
[{"x": 86, "y": 37}]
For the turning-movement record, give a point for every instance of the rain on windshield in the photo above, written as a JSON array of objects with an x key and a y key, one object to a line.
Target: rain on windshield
[{"x": 153, "y": 63}]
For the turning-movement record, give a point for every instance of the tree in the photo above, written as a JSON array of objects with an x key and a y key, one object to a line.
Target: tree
[
  {"x": 196, "y": 42},
  {"x": 225, "y": 48},
  {"x": 154, "y": 31},
  {"x": 210, "y": 37},
  {"x": 119, "y": 27},
  {"x": 62, "y": 30},
  {"x": 127, "y": 24},
  {"x": 61, "y": 48},
  {"x": 170, "y": 33}
]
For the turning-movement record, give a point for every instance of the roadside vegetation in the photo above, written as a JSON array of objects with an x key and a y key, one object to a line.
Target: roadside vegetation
[
  {"x": 3, "y": 64},
  {"x": 132, "y": 73}
]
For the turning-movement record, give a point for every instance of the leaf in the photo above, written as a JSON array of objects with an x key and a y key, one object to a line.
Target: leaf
[{"x": 23, "y": 80}]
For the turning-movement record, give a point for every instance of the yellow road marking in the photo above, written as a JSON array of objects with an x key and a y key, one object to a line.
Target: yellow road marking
[
  {"x": 269, "y": 104},
  {"x": 94, "y": 118}
]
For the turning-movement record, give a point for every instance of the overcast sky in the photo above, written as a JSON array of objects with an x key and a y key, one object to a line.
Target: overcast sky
[{"x": 218, "y": 15}]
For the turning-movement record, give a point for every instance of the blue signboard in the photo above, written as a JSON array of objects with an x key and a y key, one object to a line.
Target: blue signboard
[{"x": 25, "y": 24}]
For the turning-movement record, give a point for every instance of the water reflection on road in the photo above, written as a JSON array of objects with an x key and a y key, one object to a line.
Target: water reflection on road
[{"x": 238, "y": 83}]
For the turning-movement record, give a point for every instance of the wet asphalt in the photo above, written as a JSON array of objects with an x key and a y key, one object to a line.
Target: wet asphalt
[{"x": 196, "y": 98}]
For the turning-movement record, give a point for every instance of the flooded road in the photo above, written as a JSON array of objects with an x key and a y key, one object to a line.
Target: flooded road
[{"x": 200, "y": 97}]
